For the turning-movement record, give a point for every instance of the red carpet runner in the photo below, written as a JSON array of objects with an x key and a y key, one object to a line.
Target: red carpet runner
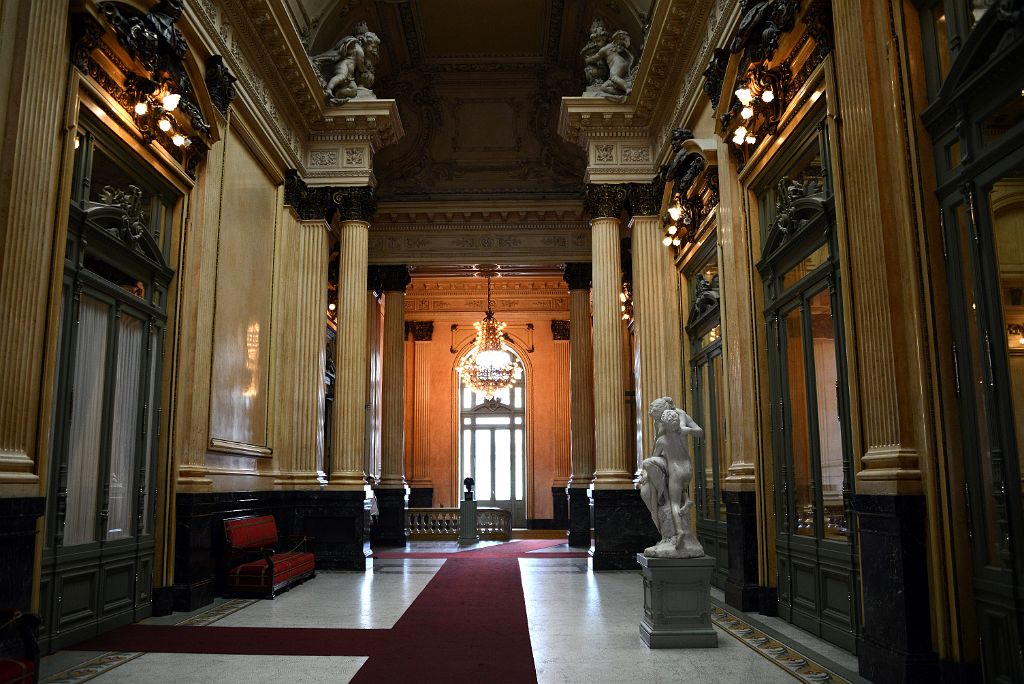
[{"x": 468, "y": 624}]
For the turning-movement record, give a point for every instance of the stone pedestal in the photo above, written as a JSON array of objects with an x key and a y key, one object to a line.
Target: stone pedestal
[
  {"x": 389, "y": 528},
  {"x": 677, "y": 602},
  {"x": 622, "y": 528},
  {"x": 741, "y": 589},
  {"x": 559, "y": 508},
  {"x": 579, "y": 517},
  {"x": 467, "y": 523}
]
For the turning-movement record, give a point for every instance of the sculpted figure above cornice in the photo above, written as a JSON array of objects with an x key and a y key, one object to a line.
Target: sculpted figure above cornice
[{"x": 347, "y": 71}]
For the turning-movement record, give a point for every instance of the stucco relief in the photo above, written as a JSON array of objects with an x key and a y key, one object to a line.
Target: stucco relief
[{"x": 323, "y": 158}]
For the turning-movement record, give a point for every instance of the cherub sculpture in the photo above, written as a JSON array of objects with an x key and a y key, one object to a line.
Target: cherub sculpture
[
  {"x": 351, "y": 64},
  {"x": 595, "y": 72},
  {"x": 616, "y": 57},
  {"x": 665, "y": 481}
]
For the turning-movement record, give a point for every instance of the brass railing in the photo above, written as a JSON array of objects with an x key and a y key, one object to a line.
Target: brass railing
[{"x": 494, "y": 524}]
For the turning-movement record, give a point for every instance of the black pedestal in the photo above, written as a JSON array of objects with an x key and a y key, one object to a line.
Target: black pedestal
[
  {"x": 332, "y": 520},
  {"x": 622, "y": 529},
  {"x": 559, "y": 508},
  {"x": 895, "y": 642},
  {"x": 579, "y": 517},
  {"x": 741, "y": 528},
  {"x": 389, "y": 527},
  {"x": 421, "y": 497},
  {"x": 18, "y": 517}
]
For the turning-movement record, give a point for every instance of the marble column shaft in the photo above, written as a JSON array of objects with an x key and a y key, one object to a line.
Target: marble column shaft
[
  {"x": 350, "y": 361},
  {"x": 615, "y": 461},
  {"x": 421, "y": 415},
  {"x": 581, "y": 389},
  {"x": 393, "y": 392},
  {"x": 29, "y": 185},
  {"x": 657, "y": 323}
]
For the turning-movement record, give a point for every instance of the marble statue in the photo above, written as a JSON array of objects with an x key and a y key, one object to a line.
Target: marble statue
[
  {"x": 350, "y": 67},
  {"x": 665, "y": 481},
  {"x": 612, "y": 60},
  {"x": 595, "y": 72}
]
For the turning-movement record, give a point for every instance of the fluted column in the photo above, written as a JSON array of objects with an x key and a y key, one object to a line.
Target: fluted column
[
  {"x": 395, "y": 279},
  {"x": 389, "y": 527},
  {"x": 622, "y": 525},
  {"x": 28, "y": 186},
  {"x": 421, "y": 487},
  {"x": 561, "y": 428},
  {"x": 657, "y": 325},
  {"x": 350, "y": 346},
  {"x": 581, "y": 403},
  {"x": 614, "y": 460}
]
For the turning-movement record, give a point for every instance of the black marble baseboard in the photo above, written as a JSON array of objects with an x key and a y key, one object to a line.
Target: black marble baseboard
[
  {"x": 163, "y": 601},
  {"x": 421, "y": 497},
  {"x": 333, "y": 520},
  {"x": 542, "y": 524},
  {"x": 768, "y": 601},
  {"x": 388, "y": 529},
  {"x": 579, "y": 517},
  {"x": 622, "y": 529},
  {"x": 559, "y": 508},
  {"x": 895, "y": 639},
  {"x": 741, "y": 590},
  {"x": 959, "y": 673},
  {"x": 18, "y": 516}
]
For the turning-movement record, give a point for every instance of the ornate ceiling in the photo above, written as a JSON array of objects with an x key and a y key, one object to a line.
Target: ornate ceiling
[{"x": 478, "y": 87}]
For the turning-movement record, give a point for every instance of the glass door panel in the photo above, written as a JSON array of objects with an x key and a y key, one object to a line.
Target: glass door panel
[
  {"x": 85, "y": 440},
  {"x": 830, "y": 435},
  {"x": 125, "y": 426},
  {"x": 796, "y": 424}
]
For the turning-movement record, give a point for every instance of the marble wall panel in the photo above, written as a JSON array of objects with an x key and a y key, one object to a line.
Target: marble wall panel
[{"x": 245, "y": 263}]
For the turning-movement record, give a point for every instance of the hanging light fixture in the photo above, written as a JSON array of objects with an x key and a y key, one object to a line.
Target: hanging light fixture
[{"x": 489, "y": 366}]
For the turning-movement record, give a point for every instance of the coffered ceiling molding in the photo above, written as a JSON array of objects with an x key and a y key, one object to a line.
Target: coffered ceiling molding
[
  {"x": 429, "y": 215},
  {"x": 510, "y": 295},
  {"x": 454, "y": 30},
  {"x": 498, "y": 244}
]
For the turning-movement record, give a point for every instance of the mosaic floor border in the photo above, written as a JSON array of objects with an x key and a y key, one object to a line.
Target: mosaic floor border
[
  {"x": 93, "y": 668},
  {"x": 796, "y": 660}
]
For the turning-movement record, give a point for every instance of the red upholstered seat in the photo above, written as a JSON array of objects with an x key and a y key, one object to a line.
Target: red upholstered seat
[
  {"x": 16, "y": 671},
  {"x": 272, "y": 571}
]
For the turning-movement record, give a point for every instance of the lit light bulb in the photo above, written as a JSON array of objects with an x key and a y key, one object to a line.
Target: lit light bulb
[
  {"x": 1020, "y": 340},
  {"x": 675, "y": 212},
  {"x": 667, "y": 241},
  {"x": 747, "y": 112},
  {"x": 744, "y": 96},
  {"x": 141, "y": 108},
  {"x": 676, "y": 242},
  {"x": 171, "y": 101},
  {"x": 767, "y": 96},
  {"x": 672, "y": 230},
  {"x": 178, "y": 139},
  {"x": 622, "y": 296},
  {"x": 751, "y": 140},
  {"x": 164, "y": 125},
  {"x": 741, "y": 132},
  {"x": 332, "y": 306}
]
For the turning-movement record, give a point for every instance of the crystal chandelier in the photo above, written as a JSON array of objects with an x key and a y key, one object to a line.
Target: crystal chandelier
[{"x": 489, "y": 367}]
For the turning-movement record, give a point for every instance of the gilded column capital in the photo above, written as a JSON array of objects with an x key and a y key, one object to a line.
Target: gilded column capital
[
  {"x": 604, "y": 200},
  {"x": 355, "y": 204},
  {"x": 644, "y": 199},
  {"x": 560, "y": 330},
  {"x": 392, "y": 278},
  {"x": 577, "y": 276},
  {"x": 421, "y": 331}
]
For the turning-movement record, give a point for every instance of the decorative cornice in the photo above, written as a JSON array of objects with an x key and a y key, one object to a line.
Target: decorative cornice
[
  {"x": 644, "y": 199},
  {"x": 393, "y": 278},
  {"x": 605, "y": 200},
  {"x": 421, "y": 331},
  {"x": 559, "y": 330},
  {"x": 578, "y": 275}
]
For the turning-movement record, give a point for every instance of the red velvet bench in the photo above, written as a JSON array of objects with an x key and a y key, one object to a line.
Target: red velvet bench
[{"x": 268, "y": 571}]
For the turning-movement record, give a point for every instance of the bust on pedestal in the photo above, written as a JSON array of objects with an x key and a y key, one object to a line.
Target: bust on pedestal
[
  {"x": 677, "y": 574},
  {"x": 467, "y": 516}
]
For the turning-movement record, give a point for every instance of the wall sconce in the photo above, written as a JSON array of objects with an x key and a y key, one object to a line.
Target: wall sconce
[
  {"x": 760, "y": 103},
  {"x": 154, "y": 110}
]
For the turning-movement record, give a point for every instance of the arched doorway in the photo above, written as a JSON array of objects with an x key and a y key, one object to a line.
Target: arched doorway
[{"x": 492, "y": 446}]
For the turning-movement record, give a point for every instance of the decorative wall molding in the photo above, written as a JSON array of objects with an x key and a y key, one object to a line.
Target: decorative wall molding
[{"x": 560, "y": 329}]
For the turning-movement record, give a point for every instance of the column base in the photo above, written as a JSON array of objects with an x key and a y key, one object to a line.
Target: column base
[
  {"x": 768, "y": 601},
  {"x": 579, "y": 517},
  {"x": 163, "y": 601},
  {"x": 622, "y": 529},
  {"x": 334, "y": 522},
  {"x": 741, "y": 590},
  {"x": 421, "y": 497},
  {"x": 677, "y": 598},
  {"x": 559, "y": 508},
  {"x": 895, "y": 641},
  {"x": 388, "y": 529}
]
